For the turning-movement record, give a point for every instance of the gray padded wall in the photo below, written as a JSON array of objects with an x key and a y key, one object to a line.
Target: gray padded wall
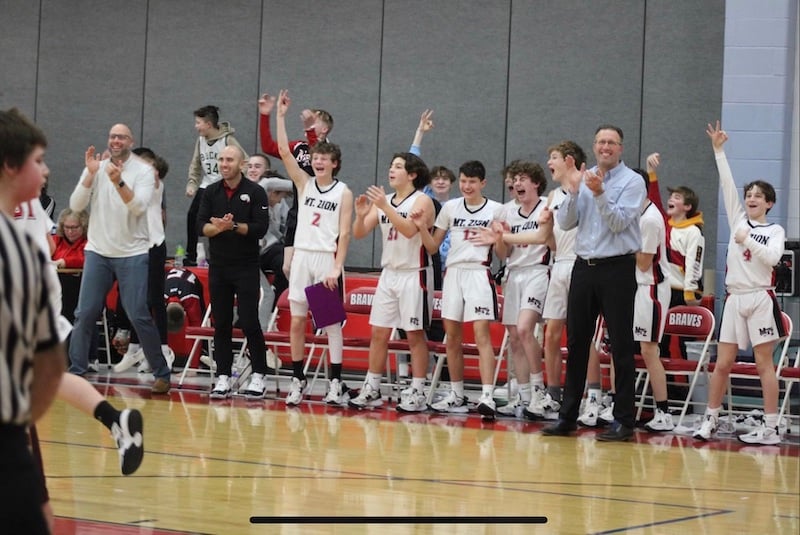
[
  {"x": 505, "y": 78},
  {"x": 682, "y": 92}
]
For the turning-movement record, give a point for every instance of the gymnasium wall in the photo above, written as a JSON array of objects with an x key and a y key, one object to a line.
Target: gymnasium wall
[{"x": 506, "y": 78}]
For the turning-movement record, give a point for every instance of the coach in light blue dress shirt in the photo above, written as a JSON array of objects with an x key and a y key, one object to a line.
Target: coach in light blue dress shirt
[{"x": 605, "y": 207}]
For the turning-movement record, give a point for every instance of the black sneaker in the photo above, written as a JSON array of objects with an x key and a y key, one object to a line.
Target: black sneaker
[{"x": 128, "y": 434}]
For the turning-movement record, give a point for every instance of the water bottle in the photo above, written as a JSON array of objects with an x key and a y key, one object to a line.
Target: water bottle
[{"x": 180, "y": 252}]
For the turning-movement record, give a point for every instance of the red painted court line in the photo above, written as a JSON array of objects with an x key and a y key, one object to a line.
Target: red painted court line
[
  {"x": 79, "y": 526},
  {"x": 131, "y": 387}
]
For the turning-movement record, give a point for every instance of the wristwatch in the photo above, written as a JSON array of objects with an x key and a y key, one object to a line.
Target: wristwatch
[
  {"x": 121, "y": 184},
  {"x": 235, "y": 226}
]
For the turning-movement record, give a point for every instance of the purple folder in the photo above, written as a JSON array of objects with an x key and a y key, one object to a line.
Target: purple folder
[{"x": 326, "y": 305}]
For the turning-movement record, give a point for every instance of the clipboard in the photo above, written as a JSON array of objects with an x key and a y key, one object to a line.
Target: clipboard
[{"x": 326, "y": 306}]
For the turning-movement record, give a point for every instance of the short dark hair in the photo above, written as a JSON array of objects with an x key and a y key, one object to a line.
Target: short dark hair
[
  {"x": 535, "y": 172},
  {"x": 414, "y": 164},
  {"x": 161, "y": 165},
  {"x": 144, "y": 152},
  {"x": 569, "y": 148},
  {"x": 689, "y": 197},
  {"x": 642, "y": 173},
  {"x": 616, "y": 129},
  {"x": 765, "y": 187},
  {"x": 324, "y": 147},
  {"x": 18, "y": 137},
  {"x": 473, "y": 168},
  {"x": 209, "y": 113},
  {"x": 266, "y": 158},
  {"x": 439, "y": 170}
]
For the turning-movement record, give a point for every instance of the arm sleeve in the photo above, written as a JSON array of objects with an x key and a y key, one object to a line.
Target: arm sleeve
[
  {"x": 770, "y": 254},
  {"x": 268, "y": 144},
  {"x": 622, "y": 212},
  {"x": 79, "y": 199},
  {"x": 693, "y": 267},
  {"x": 195, "y": 171},
  {"x": 567, "y": 213},
  {"x": 654, "y": 193}
]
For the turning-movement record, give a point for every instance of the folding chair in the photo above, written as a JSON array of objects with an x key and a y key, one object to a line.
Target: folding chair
[
  {"x": 790, "y": 375},
  {"x": 690, "y": 322}
]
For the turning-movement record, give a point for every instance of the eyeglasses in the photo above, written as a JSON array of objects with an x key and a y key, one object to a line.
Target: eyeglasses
[
  {"x": 119, "y": 136},
  {"x": 604, "y": 142},
  {"x": 72, "y": 227}
]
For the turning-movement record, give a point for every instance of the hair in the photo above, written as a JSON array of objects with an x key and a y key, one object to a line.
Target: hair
[
  {"x": 160, "y": 164},
  {"x": 18, "y": 137},
  {"x": 324, "y": 147},
  {"x": 616, "y": 129},
  {"x": 511, "y": 168},
  {"x": 209, "y": 113},
  {"x": 473, "y": 168},
  {"x": 414, "y": 164},
  {"x": 325, "y": 117},
  {"x": 266, "y": 159},
  {"x": 569, "y": 148},
  {"x": 81, "y": 215},
  {"x": 439, "y": 170},
  {"x": 765, "y": 187},
  {"x": 175, "y": 317},
  {"x": 689, "y": 197},
  {"x": 535, "y": 172}
]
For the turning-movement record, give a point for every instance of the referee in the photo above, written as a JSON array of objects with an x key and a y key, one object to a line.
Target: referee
[{"x": 31, "y": 357}]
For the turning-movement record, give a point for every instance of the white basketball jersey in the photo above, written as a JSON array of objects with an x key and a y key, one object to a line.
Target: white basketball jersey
[
  {"x": 208, "y": 160},
  {"x": 400, "y": 252},
  {"x": 565, "y": 239},
  {"x": 318, "y": 216},
  {"x": 654, "y": 241},
  {"x": 526, "y": 255},
  {"x": 463, "y": 222}
]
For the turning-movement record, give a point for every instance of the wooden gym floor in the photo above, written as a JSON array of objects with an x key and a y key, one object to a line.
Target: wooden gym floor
[{"x": 211, "y": 466}]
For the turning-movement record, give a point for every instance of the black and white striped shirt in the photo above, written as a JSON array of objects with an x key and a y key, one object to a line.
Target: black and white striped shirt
[{"x": 27, "y": 319}]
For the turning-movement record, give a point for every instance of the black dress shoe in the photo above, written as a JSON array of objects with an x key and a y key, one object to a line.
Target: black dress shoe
[
  {"x": 562, "y": 428},
  {"x": 617, "y": 433},
  {"x": 189, "y": 263}
]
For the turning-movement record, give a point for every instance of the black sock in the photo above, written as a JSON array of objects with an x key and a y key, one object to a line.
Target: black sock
[
  {"x": 663, "y": 406},
  {"x": 297, "y": 370},
  {"x": 106, "y": 413},
  {"x": 555, "y": 393},
  {"x": 336, "y": 371}
]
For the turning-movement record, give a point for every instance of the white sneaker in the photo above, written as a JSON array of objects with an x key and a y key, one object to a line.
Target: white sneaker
[
  {"x": 707, "y": 428},
  {"x": 368, "y": 397},
  {"x": 129, "y": 360},
  {"x": 766, "y": 436},
  {"x": 296, "y": 391},
  {"x": 208, "y": 361},
  {"x": 169, "y": 356},
  {"x": 256, "y": 388},
  {"x": 411, "y": 400},
  {"x": 451, "y": 403},
  {"x": 591, "y": 411},
  {"x": 514, "y": 408},
  {"x": 606, "y": 415},
  {"x": 144, "y": 367},
  {"x": 128, "y": 435},
  {"x": 662, "y": 421},
  {"x": 486, "y": 406},
  {"x": 508, "y": 391},
  {"x": 222, "y": 389},
  {"x": 273, "y": 361},
  {"x": 94, "y": 366},
  {"x": 544, "y": 408},
  {"x": 338, "y": 393}
]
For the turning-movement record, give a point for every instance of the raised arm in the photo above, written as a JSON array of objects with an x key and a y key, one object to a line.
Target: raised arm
[
  {"x": 653, "y": 191},
  {"x": 425, "y": 124},
  {"x": 298, "y": 176},
  {"x": 268, "y": 145}
]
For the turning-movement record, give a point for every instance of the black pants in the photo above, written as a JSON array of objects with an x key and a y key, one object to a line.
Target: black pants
[
  {"x": 608, "y": 288},
  {"x": 191, "y": 226},
  {"x": 272, "y": 260},
  {"x": 20, "y": 485},
  {"x": 227, "y": 283}
]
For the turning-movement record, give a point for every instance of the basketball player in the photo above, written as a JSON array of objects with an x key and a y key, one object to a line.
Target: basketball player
[
  {"x": 752, "y": 315},
  {"x": 403, "y": 297},
  {"x": 468, "y": 292},
  {"x": 321, "y": 242},
  {"x": 527, "y": 269}
]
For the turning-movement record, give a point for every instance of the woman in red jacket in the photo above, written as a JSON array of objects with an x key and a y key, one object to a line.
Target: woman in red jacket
[{"x": 70, "y": 239}]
